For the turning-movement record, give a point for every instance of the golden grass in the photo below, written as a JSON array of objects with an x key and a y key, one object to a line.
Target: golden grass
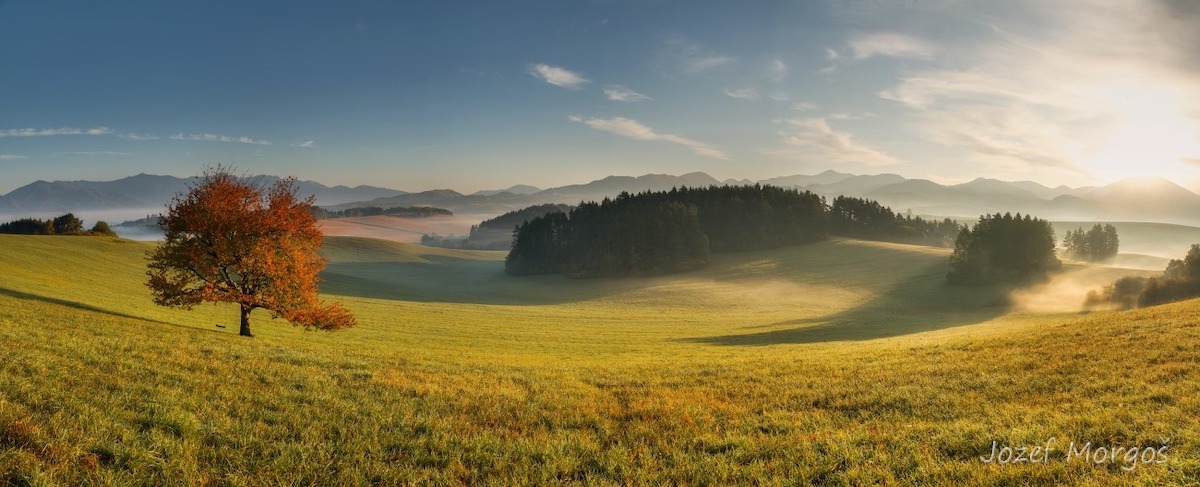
[{"x": 844, "y": 363}]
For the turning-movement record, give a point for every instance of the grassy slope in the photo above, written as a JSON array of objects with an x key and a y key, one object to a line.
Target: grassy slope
[{"x": 765, "y": 367}]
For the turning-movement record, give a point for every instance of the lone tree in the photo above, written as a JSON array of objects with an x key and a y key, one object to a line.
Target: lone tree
[{"x": 234, "y": 240}]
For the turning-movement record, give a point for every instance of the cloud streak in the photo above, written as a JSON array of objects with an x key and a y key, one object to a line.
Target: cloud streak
[
  {"x": 558, "y": 76},
  {"x": 32, "y": 132},
  {"x": 685, "y": 57},
  {"x": 890, "y": 45},
  {"x": 139, "y": 137},
  {"x": 742, "y": 93},
  {"x": 11, "y": 157},
  {"x": 95, "y": 153},
  {"x": 815, "y": 138},
  {"x": 621, "y": 93},
  {"x": 633, "y": 129},
  {"x": 220, "y": 138}
]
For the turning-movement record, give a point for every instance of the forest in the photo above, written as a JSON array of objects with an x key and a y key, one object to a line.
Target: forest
[
  {"x": 666, "y": 231},
  {"x": 662, "y": 232},
  {"x": 867, "y": 219}
]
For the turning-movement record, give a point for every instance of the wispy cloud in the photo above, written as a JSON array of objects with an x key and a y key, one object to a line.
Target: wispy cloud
[
  {"x": 850, "y": 116},
  {"x": 742, "y": 93},
  {"x": 220, "y": 138},
  {"x": 95, "y": 153},
  {"x": 32, "y": 132},
  {"x": 308, "y": 144},
  {"x": 815, "y": 138},
  {"x": 558, "y": 76},
  {"x": 630, "y": 128},
  {"x": 705, "y": 63},
  {"x": 621, "y": 93},
  {"x": 890, "y": 45},
  {"x": 686, "y": 57},
  {"x": 1096, "y": 92},
  {"x": 777, "y": 71},
  {"x": 804, "y": 106},
  {"x": 11, "y": 157},
  {"x": 139, "y": 137}
]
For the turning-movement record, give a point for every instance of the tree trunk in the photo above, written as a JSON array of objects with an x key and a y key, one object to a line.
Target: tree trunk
[{"x": 245, "y": 331}]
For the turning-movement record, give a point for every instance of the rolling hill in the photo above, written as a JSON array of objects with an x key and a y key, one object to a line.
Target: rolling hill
[{"x": 842, "y": 362}]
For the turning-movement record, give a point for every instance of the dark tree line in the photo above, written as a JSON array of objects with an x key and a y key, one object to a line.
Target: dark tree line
[
  {"x": 66, "y": 224},
  {"x": 1003, "y": 248},
  {"x": 867, "y": 219},
  {"x": 403, "y": 212},
  {"x": 666, "y": 231},
  {"x": 1099, "y": 244},
  {"x": 1180, "y": 280}
]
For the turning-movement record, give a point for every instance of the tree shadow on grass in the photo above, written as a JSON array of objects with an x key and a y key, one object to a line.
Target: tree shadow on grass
[
  {"x": 76, "y": 305},
  {"x": 919, "y": 303}
]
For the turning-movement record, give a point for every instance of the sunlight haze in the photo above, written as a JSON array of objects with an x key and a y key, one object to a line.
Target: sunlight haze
[{"x": 482, "y": 95}]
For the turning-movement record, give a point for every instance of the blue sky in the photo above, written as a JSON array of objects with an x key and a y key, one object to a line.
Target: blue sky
[{"x": 483, "y": 95}]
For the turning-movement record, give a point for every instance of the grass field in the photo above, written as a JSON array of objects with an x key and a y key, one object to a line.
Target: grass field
[{"x": 843, "y": 362}]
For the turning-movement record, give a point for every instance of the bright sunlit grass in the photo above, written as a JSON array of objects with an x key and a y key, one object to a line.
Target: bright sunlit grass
[{"x": 843, "y": 362}]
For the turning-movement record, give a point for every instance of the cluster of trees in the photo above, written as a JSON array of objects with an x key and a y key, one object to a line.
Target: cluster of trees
[
  {"x": 495, "y": 233},
  {"x": 666, "y": 231},
  {"x": 66, "y": 224},
  {"x": 402, "y": 212},
  {"x": 1003, "y": 248},
  {"x": 867, "y": 219},
  {"x": 1180, "y": 280},
  {"x": 1096, "y": 245}
]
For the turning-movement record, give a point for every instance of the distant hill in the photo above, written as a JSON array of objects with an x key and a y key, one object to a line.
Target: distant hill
[
  {"x": 827, "y": 177},
  {"x": 1139, "y": 196},
  {"x": 855, "y": 185},
  {"x": 1138, "y": 199},
  {"x": 149, "y": 191},
  {"x": 517, "y": 189}
]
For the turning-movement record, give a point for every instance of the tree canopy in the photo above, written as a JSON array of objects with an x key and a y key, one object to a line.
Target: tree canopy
[
  {"x": 1003, "y": 247},
  {"x": 236, "y": 241},
  {"x": 1099, "y": 244},
  {"x": 867, "y": 219},
  {"x": 67, "y": 224},
  {"x": 665, "y": 231},
  {"x": 1180, "y": 280}
]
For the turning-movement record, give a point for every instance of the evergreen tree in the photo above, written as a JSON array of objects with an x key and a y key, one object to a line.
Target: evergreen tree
[{"x": 1003, "y": 247}]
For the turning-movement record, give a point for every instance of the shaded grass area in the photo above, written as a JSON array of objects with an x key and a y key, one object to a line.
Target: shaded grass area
[
  {"x": 919, "y": 303},
  {"x": 615, "y": 386}
]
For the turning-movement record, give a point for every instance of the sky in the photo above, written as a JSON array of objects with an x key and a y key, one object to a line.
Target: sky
[{"x": 473, "y": 95}]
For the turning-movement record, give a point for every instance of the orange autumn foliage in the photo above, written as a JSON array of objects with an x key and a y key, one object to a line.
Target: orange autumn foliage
[{"x": 234, "y": 240}]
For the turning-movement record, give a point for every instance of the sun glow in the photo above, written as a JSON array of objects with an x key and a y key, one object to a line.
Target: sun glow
[{"x": 1150, "y": 136}]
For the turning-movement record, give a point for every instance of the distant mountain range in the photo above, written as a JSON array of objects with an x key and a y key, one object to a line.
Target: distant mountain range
[
  {"x": 1138, "y": 199},
  {"x": 150, "y": 192}
]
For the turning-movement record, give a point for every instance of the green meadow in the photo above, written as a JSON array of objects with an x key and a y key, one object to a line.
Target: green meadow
[{"x": 838, "y": 363}]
